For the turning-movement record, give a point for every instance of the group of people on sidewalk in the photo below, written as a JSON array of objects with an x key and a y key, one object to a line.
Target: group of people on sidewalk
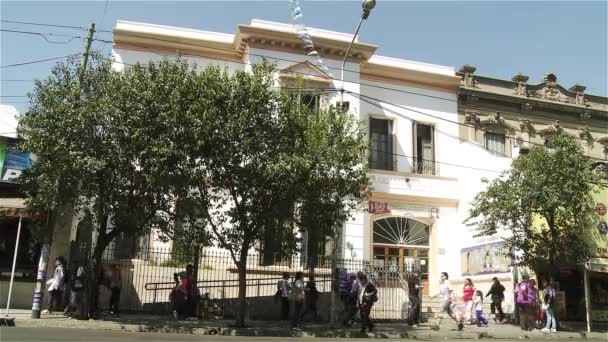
[
  {"x": 70, "y": 285},
  {"x": 301, "y": 298},
  {"x": 528, "y": 304},
  {"x": 472, "y": 302},
  {"x": 461, "y": 308}
]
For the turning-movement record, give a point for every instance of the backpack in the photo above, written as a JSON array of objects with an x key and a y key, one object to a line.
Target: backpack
[
  {"x": 370, "y": 294},
  {"x": 522, "y": 293}
]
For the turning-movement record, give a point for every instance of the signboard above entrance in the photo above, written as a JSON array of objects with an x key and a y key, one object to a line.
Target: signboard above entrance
[{"x": 12, "y": 163}]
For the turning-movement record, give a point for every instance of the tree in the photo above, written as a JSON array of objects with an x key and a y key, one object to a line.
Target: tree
[
  {"x": 260, "y": 151},
  {"x": 107, "y": 147},
  {"x": 543, "y": 206}
]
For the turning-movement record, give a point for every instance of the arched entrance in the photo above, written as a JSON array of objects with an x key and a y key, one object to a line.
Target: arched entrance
[{"x": 400, "y": 243}]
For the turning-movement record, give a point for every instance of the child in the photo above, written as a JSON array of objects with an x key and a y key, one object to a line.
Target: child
[
  {"x": 478, "y": 302},
  {"x": 458, "y": 312}
]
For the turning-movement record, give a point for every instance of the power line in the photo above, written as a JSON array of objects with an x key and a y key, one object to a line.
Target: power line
[
  {"x": 436, "y": 130},
  {"x": 282, "y": 59},
  {"x": 442, "y": 132},
  {"x": 44, "y": 35},
  {"x": 287, "y": 60},
  {"x": 37, "y": 61},
  {"x": 451, "y": 121},
  {"x": 41, "y": 24},
  {"x": 105, "y": 8},
  {"x": 392, "y": 104}
]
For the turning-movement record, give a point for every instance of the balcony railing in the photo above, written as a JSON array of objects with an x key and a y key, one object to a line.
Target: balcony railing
[{"x": 425, "y": 166}]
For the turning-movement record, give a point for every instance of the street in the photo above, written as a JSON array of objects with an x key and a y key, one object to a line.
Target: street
[{"x": 67, "y": 335}]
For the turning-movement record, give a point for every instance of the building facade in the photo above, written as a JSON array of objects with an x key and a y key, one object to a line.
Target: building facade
[
  {"x": 410, "y": 109},
  {"x": 434, "y": 133}
]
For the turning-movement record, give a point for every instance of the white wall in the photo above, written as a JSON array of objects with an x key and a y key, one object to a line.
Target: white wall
[{"x": 125, "y": 57}]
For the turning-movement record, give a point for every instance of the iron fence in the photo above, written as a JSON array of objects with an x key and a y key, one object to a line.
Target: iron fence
[{"x": 148, "y": 278}]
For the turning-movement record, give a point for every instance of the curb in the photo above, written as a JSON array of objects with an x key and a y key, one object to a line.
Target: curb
[{"x": 283, "y": 332}]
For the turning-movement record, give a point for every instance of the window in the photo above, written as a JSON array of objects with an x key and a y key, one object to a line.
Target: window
[
  {"x": 495, "y": 142},
  {"x": 381, "y": 140},
  {"x": 312, "y": 101},
  {"x": 606, "y": 152},
  {"x": 424, "y": 149},
  {"x": 343, "y": 105}
]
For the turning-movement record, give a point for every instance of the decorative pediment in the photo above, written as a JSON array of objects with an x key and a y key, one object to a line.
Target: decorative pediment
[
  {"x": 552, "y": 91},
  {"x": 306, "y": 71},
  {"x": 496, "y": 121},
  {"x": 552, "y": 129}
]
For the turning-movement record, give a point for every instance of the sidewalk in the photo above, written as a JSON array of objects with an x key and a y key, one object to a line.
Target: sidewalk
[{"x": 165, "y": 324}]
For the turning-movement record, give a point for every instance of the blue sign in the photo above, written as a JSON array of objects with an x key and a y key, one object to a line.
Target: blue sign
[{"x": 14, "y": 164}]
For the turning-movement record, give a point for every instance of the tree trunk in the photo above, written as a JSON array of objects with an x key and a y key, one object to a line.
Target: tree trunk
[
  {"x": 196, "y": 266},
  {"x": 92, "y": 288},
  {"x": 242, "y": 305}
]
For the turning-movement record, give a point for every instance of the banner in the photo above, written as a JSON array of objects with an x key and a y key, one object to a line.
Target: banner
[
  {"x": 484, "y": 259},
  {"x": 14, "y": 164}
]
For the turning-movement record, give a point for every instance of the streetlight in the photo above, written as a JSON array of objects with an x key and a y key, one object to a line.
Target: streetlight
[{"x": 367, "y": 5}]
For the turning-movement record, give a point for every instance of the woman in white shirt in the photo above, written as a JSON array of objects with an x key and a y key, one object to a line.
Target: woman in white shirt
[{"x": 57, "y": 285}]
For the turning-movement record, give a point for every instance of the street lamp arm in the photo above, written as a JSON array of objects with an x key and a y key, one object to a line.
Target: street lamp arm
[{"x": 344, "y": 60}]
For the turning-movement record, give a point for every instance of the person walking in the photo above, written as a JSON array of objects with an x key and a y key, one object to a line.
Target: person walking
[
  {"x": 367, "y": 296},
  {"x": 413, "y": 285},
  {"x": 445, "y": 291},
  {"x": 115, "y": 285},
  {"x": 182, "y": 293},
  {"x": 297, "y": 296},
  {"x": 283, "y": 289},
  {"x": 349, "y": 301},
  {"x": 76, "y": 292},
  {"x": 478, "y": 302},
  {"x": 468, "y": 291},
  {"x": 497, "y": 293},
  {"x": 536, "y": 313},
  {"x": 549, "y": 306},
  {"x": 311, "y": 295},
  {"x": 526, "y": 302},
  {"x": 57, "y": 286}
]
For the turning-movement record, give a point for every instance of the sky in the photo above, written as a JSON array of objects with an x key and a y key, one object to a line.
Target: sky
[{"x": 500, "y": 38}]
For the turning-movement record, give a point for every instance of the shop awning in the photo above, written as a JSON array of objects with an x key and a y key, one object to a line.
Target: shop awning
[
  {"x": 599, "y": 265},
  {"x": 12, "y": 207}
]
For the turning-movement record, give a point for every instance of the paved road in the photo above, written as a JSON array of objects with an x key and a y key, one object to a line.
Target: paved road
[{"x": 72, "y": 335}]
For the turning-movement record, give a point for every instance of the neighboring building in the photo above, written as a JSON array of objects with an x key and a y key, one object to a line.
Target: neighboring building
[
  {"x": 12, "y": 208},
  {"x": 507, "y": 118}
]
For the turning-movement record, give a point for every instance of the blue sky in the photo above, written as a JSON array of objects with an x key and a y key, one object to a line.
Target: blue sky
[{"x": 568, "y": 38}]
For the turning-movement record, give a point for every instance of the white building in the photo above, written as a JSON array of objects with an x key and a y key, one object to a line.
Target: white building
[{"x": 422, "y": 180}]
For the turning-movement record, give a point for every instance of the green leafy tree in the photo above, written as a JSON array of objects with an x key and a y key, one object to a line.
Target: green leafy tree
[
  {"x": 260, "y": 151},
  {"x": 542, "y": 207},
  {"x": 107, "y": 147}
]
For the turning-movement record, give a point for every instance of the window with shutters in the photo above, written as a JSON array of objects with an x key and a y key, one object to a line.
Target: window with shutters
[
  {"x": 381, "y": 141},
  {"x": 495, "y": 142},
  {"x": 424, "y": 149}
]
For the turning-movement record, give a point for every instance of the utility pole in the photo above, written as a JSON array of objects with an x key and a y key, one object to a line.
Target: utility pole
[
  {"x": 85, "y": 53},
  {"x": 85, "y": 303},
  {"x": 44, "y": 255}
]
